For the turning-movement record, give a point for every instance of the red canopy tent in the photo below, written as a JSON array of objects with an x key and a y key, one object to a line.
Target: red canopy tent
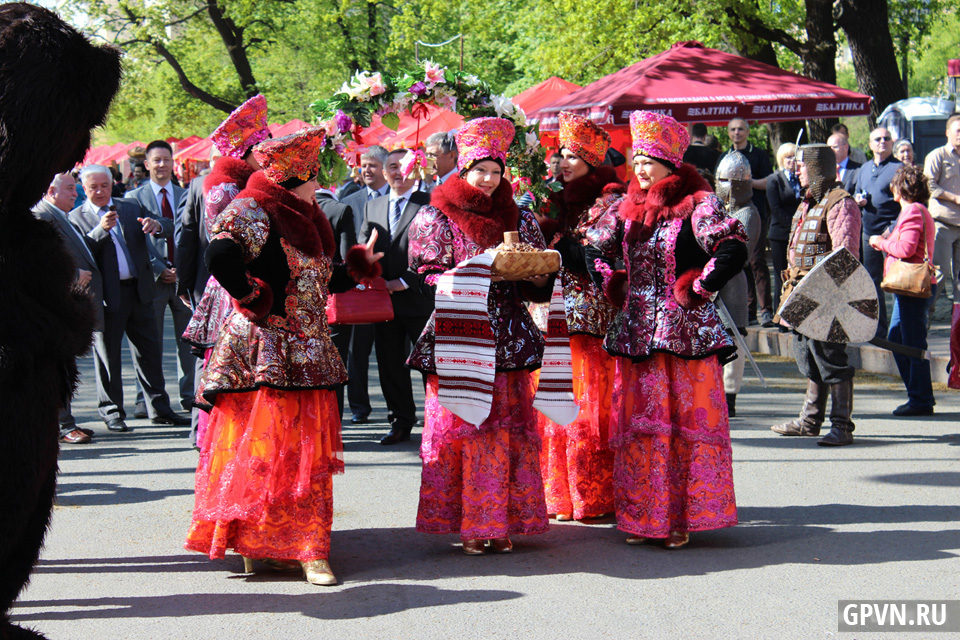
[
  {"x": 542, "y": 94},
  {"x": 695, "y": 84},
  {"x": 414, "y": 131},
  {"x": 279, "y": 130}
]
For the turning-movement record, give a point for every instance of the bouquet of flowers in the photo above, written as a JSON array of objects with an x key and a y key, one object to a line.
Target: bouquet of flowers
[{"x": 379, "y": 94}]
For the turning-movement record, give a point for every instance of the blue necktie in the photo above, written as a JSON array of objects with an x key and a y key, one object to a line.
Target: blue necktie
[{"x": 396, "y": 214}]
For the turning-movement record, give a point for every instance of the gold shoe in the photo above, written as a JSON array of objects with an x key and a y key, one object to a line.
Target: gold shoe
[
  {"x": 473, "y": 547},
  {"x": 319, "y": 572},
  {"x": 636, "y": 540},
  {"x": 273, "y": 563},
  {"x": 564, "y": 517},
  {"x": 501, "y": 545},
  {"x": 677, "y": 539}
]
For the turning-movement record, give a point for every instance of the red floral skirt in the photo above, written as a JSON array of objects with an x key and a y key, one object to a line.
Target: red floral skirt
[
  {"x": 673, "y": 465},
  {"x": 264, "y": 483},
  {"x": 485, "y": 482},
  {"x": 575, "y": 460}
]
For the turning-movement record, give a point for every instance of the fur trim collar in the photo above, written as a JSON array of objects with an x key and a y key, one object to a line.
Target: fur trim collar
[
  {"x": 580, "y": 194},
  {"x": 227, "y": 169},
  {"x": 300, "y": 223},
  {"x": 674, "y": 197},
  {"x": 481, "y": 217}
]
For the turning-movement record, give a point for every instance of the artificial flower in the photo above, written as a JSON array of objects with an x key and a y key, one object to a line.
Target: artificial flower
[
  {"x": 418, "y": 88},
  {"x": 434, "y": 73},
  {"x": 531, "y": 139}
]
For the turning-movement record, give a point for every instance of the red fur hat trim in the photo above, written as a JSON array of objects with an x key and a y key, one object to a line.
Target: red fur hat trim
[
  {"x": 481, "y": 217},
  {"x": 300, "y": 223},
  {"x": 227, "y": 169},
  {"x": 361, "y": 270},
  {"x": 258, "y": 308},
  {"x": 683, "y": 289},
  {"x": 616, "y": 288},
  {"x": 671, "y": 198}
]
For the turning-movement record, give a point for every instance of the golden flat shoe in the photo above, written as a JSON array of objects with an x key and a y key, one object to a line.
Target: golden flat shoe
[
  {"x": 564, "y": 517},
  {"x": 677, "y": 539},
  {"x": 319, "y": 572},
  {"x": 273, "y": 563},
  {"x": 473, "y": 547},
  {"x": 636, "y": 540},
  {"x": 501, "y": 545}
]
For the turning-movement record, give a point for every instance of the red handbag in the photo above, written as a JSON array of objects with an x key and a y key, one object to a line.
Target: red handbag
[{"x": 364, "y": 304}]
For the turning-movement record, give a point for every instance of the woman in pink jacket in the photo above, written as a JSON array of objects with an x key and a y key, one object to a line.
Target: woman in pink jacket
[{"x": 910, "y": 240}]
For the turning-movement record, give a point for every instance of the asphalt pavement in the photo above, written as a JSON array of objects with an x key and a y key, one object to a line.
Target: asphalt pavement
[{"x": 875, "y": 520}]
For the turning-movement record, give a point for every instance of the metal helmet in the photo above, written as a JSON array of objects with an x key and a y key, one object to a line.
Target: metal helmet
[
  {"x": 734, "y": 182},
  {"x": 821, "y": 166}
]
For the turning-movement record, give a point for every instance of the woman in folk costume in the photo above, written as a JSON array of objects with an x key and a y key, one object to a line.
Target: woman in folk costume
[
  {"x": 234, "y": 139},
  {"x": 480, "y": 450},
  {"x": 670, "y": 431},
  {"x": 576, "y": 462},
  {"x": 264, "y": 480}
]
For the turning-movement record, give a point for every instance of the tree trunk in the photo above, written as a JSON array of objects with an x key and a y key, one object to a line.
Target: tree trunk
[
  {"x": 232, "y": 37},
  {"x": 866, "y": 25},
  {"x": 819, "y": 59}
]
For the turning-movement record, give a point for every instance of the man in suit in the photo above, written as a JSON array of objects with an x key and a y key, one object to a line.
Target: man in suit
[
  {"x": 53, "y": 208},
  {"x": 162, "y": 198},
  {"x": 374, "y": 186},
  {"x": 391, "y": 216},
  {"x": 116, "y": 233},
  {"x": 441, "y": 147},
  {"x": 344, "y": 233},
  {"x": 190, "y": 238},
  {"x": 846, "y": 166}
]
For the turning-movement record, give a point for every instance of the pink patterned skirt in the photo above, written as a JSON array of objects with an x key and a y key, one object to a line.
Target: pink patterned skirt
[
  {"x": 483, "y": 482},
  {"x": 673, "y": 465}
]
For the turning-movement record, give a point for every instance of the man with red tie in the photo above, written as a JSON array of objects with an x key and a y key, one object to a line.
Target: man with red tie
[{"x": 161, "y": 197}]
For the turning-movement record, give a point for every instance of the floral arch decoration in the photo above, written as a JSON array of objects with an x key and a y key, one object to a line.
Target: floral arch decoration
[{"x": 379, "y": 94}]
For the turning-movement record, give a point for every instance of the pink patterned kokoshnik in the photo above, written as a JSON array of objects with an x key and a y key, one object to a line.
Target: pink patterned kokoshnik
[
  {"x": 658, "y": 136},
  {"x": 243, "y": 128},
  {"x": 483, "y": 138}
]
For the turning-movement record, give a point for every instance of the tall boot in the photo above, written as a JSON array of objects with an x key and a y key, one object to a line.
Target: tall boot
[
  {"x": 841, "y": 408},
  {"x": 811, "y": 415}
]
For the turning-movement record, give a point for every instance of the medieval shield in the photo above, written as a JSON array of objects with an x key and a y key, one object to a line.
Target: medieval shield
[{"x": 835, "y": 302}]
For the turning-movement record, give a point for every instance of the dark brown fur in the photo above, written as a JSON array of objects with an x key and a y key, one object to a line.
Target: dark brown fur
[{"x": 54, "y": 87}]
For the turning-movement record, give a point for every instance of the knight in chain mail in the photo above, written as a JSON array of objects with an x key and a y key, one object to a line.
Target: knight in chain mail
[
  {"x": 734, "y": 187},
  {"x": 827, "y": 218}
]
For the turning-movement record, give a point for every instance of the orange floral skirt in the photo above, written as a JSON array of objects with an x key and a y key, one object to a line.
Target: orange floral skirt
[
  {"x": 264, "y": 483},
  {"x": 575, "y": 460},
  {"x": 487, "y": 484},
  {"x": 673, "y": 464}
]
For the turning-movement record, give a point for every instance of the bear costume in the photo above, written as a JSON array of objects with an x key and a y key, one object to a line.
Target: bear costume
[{"x": 54, "y": 87}]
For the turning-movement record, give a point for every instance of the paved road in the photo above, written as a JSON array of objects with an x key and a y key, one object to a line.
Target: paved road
[{"x": 874, "y": 520}]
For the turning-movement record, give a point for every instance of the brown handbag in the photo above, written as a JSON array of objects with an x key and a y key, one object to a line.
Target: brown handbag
[
  {"x": 364, "y": 304},
  {"x": 911, "y": 279}
]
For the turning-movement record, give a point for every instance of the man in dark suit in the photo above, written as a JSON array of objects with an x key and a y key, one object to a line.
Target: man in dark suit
[
  {"x": 190, "y": 238},
  {"x": 53, "y": 208},
  {"x": 345, "y": 235},
  {"x": 162, "y": 198},
  {"x": 391, "y": 216},
  {"x": 116, "y": 233},
  {"x": 847, "y": 167},
  {"x": 361, "y": 344}
]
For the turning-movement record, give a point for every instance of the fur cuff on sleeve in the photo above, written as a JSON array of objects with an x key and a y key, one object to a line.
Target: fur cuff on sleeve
[
  {"x": 257, "y": 304},
  {"x": 684, "y": 290},
  {"x": 615, "y": 287},
  {"x": 361, "y": 270}
]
